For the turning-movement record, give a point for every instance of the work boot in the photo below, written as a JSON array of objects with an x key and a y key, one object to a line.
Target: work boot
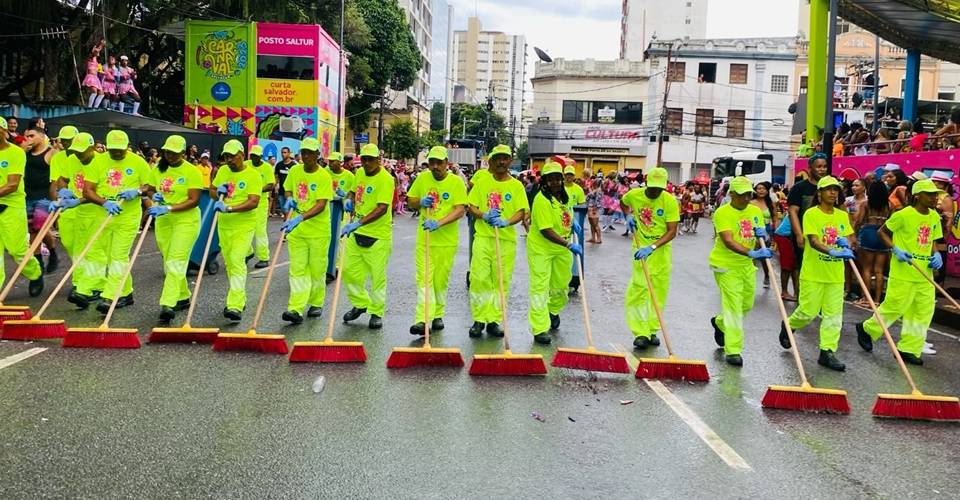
[
  {"x": 829, "y": 360},
  {"x": 375, "y": 322},
  {"x": 734, "y": 360},
  {"x": 353, "y": 314},
  {"x": 641, "y": 343},
  {"x": 494, "y": 330},
  {"x": 542, "y": 338},
  {"x": 261, "y": 264},
  {"x": 182, "y": 305},
  {"x": 232, "y": 314},
  {"x": 912, "y": 359},
  {"x": 476, "y": 330},
  {"x": 554, "y": 321},
  {"x": 436, "y": 325},
  {"x": 717, "y": 332},
  {"x": 53, "y": 262},
  {"x": 784, "y": 338},
  {"x": 418, "y": 329},
  {"x": 35, "y": 288},
  {"x": 314, "y": 312},
  {"x": 654, "y": 341},
  {"x": 78, "y": 299},
  {"x": 248, "y": 258},
  {"x": 167, "y": 314},
  {"x": 104, "y": 306},
  {"x": 292, "y": 317},
  {"x": 863, "y": 338}
]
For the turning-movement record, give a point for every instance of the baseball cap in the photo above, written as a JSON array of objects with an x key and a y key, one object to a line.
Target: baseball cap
[
  {"x": 437, "y": 153},
  {"x": 117, "y": 139},
  {"x": 828, "y": 181},
  {"x": 741, "y": 185},
  {"x": 67, "y": 132},
  {"x": 205, "y": 154},
  {"x": 124, "y": 58},
  {"x": 370, "y": 150},
  {"x": 81, "y": 142},
  {"x": 657, "y": 178},
  {"x": 310, "y": 144},
  {"x": 335, "y": 156},
  {"x": 232, "y": 147},
  {"x": 569, "y": 170},
  {"x": 175, "y": 144},
  {"x": 925, "y": 186},
  {"x": 501, "y": 149},
  {"x": 551, "y": 167},
  {"x": 256, "y": 149}
]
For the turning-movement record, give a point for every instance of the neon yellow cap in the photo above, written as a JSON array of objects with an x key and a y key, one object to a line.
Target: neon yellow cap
[
  {"x": 501, "y": 149},
  {"x": 925, "y": 186},
  {"x": 175, "y": 144},
  {"x": 117, "y": 139},
  {"x": 233, "y": 147},
  {"x": 437, "y": 153},
  {"x": 569, "y": 170},
  {"x": 67, "y": 132},
  {"x": 741, "y": 185},
  {"x": 370, "y": 150},
  {"x": 256, "y": 149},
  {"x": 657, "y": 178},
  {"x": 828, "y": 181},
  {"x": 81, "y": 142},
  {"x": 335, "y": 156},
  {"x": 310, "y": 144},
  {"x": 551, "y": 167}
]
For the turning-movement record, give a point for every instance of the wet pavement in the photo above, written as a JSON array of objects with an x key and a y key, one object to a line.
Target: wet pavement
[{"x": 184, "y": 421}]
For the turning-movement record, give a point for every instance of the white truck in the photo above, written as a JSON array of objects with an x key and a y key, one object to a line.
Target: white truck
[{"x": 755, "y": 165}]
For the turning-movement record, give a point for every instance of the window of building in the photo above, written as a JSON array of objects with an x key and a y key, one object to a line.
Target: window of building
[
  {"x": 738, "y": 74},
  {"x": 686, "y": 21},
  {"x": 603, "y": 112},
  {"x": 677, "y": 71},
  {"x": 803, "y": 84},
  {"x": 780, "y": 83},
  {"x": 946, "y": 96},
  {"x": 735, "y": 121},
  {"x": 674, "y": 123},
  {"x": 707, "y": 73},
  {"x": 704, "y": 124}
]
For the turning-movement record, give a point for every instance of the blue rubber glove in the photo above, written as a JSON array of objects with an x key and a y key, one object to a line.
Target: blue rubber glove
[
  {"x": 631, "y": 223},
  {"x": 129, "y": 194},
  {"x": 111, "y": 207},
  {"x": 222, "y": 190},
  {"x": 289, "y": 205},
  {"x": 341, "y": 194},
  {"x": 64, "y": 204},
  {"x": 842, "y": 253},
  {"x": 291, "y": 224},
  {"x": 902, "y": 255},
  {"x": 431, "y": 225},
  {"x": 576, "y": 249},
  {"x": 220, "y": 206},
  {"x": 427, "y": 201},
  {"x": 643, "y": 253},
  {"x": 760, "y": 253},
  {"x": 760, "y": 232},
  {"x": 490, "y": 215},
  {"x": 158, "y": 210},
  {"x": 501, "y": 223},
  {"x": 158, "y": 198},
  {"x": 843, "y": 242},
  {"x": 348, "y": 205},
  {"x": 936, "y": 261},
  {"x": 576, "y": 226},
  {"x": 350, "y": 228},
  {"x": 66, "y": 194}
]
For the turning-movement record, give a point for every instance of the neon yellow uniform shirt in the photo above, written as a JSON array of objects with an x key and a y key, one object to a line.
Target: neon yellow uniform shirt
[
  {"x": 508, "y": 196},
  {"x": 916, "y": 233},
  {"x": 175, "y": 183},
  {"x": 345, "y": 180},
  {"x": 818, "y": 266},
  {"x": 113, "y": 177},
  {"x": 13, "y": 161},
  {"x": 549, "y": 214},
  {"x": 741, "y": 224},
  {"x": 370, "y": 192},
  {"x": 447, "y": 194},
  {"x": 266, "y": 177},
  {"x": 575, "y": 194},
  {"x": 240, "y": 185},
  {"x": 652, "y": 215},
  {"x": 307, "y": 189},
  {"x": 13, "y": 219}
]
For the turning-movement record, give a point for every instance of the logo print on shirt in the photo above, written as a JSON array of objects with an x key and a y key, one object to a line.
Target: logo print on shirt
[
  {"x": 3, "y": 164},
  {"x": 129, "y": 171},
  {"x": 230, "y": 189},
  {"x": 746, "y": 229},
  {"x": 566, "y": 220},
  {"x": 166, "y": 184},
  {"x": 436, "y": 198},
  {"x": 302, "y": 191},
  {"x": 78, "y": 181},
  {"x": 181, "y": 180},
  {"x": 241, "y": 185},
  {"x": 359, "y": 194},
  {"x": 494, "y": 199},
  {"x": 446, "y": 196},
  {"x": 114, "y": 178},
  {"x": 923, "y": 235},
  {"x": 659, "y": 212},
  {"x": 646, "y": 216},
  {"x": 830, "y": 236}
]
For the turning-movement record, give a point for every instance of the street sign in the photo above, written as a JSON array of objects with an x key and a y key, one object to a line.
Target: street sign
[{"x": 361, "y": 138}]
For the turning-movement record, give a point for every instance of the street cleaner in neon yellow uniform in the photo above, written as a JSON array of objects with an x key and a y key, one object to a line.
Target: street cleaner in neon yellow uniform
[
  {"x": 496, "y": 200},
  {"x": 77, "y": 223},
  {"x": 827, "y": 229},
  {"x": 577, "y": 199},
  {"x": 653, "y": 214},
  {"x": 114, "y": 182},
  {"x": 261, "y": 243},
  {"x": 368, "y": 250},
  {"x": 441, "y": 199},
  {"x": 241, "y": 188},
  {"x": 550, "y": 252},
  {"x": 912, "y": 233},
  {"x": 344, "y": 183},
  {"x": 737, "y": 224},
  {"x": 57, "y": 162},
  {"x": 175, "y": 186},
  {"x": 308, "y": 189},
  {"x": 13, "y": 211}
]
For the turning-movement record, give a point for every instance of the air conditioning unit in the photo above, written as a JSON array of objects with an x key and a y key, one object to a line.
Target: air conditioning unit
[{"x": 291, "y": 124}]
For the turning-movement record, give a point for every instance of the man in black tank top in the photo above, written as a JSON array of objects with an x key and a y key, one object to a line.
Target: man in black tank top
[{"x": 36, "y": 185}]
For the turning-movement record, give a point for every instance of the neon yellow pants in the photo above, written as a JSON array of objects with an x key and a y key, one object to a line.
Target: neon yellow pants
[
  {"x": 235, "y": 242},
  {"x": 76, "y": 226},
  {"x": 110, "y": 255},
  {"x": 641, "y": 318},
  {"x": 549, "y": 281},
  {"x": 359, "y": 264},
  {"x": 484, "y": 297},
  {"x": 14, "y": 240},
  {"x": 441, "y": 263},
  {"x": 825, "y": 300},
  {"x": 176, "y": 234},
  {"x": 737, "y": 288},
  {"x": 308, "y": 269},
  {"x": 914, "y": 303},
  {"x": 261, "y": 241}
]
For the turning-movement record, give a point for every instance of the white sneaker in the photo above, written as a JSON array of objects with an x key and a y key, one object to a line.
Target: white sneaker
[{"x": 928, "y": 348}]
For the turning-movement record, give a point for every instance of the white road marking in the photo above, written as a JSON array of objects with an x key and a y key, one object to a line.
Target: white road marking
[
  {"x": 696, "y": 424},
  {"x": 16, "y": 358},
  {"x": 258, "y": 272}
]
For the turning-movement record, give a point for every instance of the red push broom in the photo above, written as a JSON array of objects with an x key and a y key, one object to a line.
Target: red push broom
[
  {"x": 186, "y": 333},
  {"x": 805, "y": 397},
  {"x": 590, "y": 358},
  {"x": 8, "y": 311},
  {"x": 328, "y": 350},
  {"x": 36, "y": 327},
  {"x": 404, "y": 357},
  {"x": 508, "y": 363},
  {"x": 916, "y": 405},
  {"x": 931, "y": 281},
  {"x": 251, "y": 340},
  {"x": 104, "y": 337}
]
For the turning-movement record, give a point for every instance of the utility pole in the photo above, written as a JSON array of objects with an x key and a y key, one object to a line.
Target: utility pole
[
  {"x": 663, "y": 110},
  {"x": 487, "y": 132},
  {"x": 448, "y": 84},
  {"x": 380, "y": 123},
  {"x": 876, "y": 84},
  {"x": 340, "y": 87}
]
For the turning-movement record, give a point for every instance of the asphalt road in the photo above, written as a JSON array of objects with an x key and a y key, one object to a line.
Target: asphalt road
[{"x": 184, "y": 421}]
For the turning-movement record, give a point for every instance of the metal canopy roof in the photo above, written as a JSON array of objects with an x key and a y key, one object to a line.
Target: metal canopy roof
[{"x": 932, "y": 26}]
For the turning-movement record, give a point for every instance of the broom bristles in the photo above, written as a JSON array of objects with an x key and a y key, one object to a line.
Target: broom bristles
[
  {"x": 591, "y": 360},
  {"x": 917, "y": 407},
  {"x": 185, "y": 335},
  {"x": 673, "y": 369},
  {"x": 14, "y": 314},
  {"x": 253, "y": 342},
  {"x": 507, "y": 364},
  {"x": 809, "y": 399},
  {"x": 404, "y": 357},
  {"x": 328, "y": 352},
  {"x": 33, "y": 329},
  {"x": 102, "y": 338}
]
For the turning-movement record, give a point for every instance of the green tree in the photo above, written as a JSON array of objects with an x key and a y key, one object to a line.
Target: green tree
[
  {"x": 400, "y": 140},
  {"x": 475, "y": 117},
  {"x": 436, "y": 116},
  {"x": 522, "y": 153},
  {"x": 432, "y": 138}
]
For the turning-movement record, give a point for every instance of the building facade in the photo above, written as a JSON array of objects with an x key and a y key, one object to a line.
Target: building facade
[{"x": 646, "y": 20}]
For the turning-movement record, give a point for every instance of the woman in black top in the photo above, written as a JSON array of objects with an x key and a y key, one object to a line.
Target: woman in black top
[{"x": 36, "y": 185}]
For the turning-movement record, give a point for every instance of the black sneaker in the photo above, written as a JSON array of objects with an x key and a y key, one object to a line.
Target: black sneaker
[
  {"x": 314, "y": 311},
  {"x": 654, "y": 341},
  {"x": 717, "y": 332},
  {"x": 554, "y": 321},
  {"x": 78, "y": 299},
  {"x": 261, "y": 264},
  {"x": 353, "y": 314},
  {"x": 641, "y": 343},
  {"x": 476, "y": 330},
  {"x": 167, "y": 314},
  {"x": 829, "y": 360},
  {"x": 292, "y": 317},
  {"x": 104, "y": 306},
  {"x": 126, "y": 300},
  {"x": 542, "y": 338},
  {"x": 734, "y": 360},
  {"x": 182, "y": 305},
  {"x": 248, "y": 258},
  {"x": 232, "y": 314},
  {"x": 784, "y": 338},
  {"x": 375, "y": 322},
  {"x": 418, "y": 329},
  {"x": 436, "y": 325},
  {"x": 53, "y": 262},
  {"x": 911, "y": 359},
  {"x": 35, "y": 288},
  {"x": 494, "y": 329},
  {"x": 863, "y": 338}
]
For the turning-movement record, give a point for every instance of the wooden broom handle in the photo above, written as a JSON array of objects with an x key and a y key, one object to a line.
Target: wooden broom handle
[
  {"x": 203, "y": 263},
  {"x": 426, "y": 284},
  {"x": 915, "y": 266},
  {"x": 336, "y": 287},
  {"x": 583, "y": 299},
  {"x": 653, "y": 300},
  {"x": 37, "y": 241},
  {"x": 266, "y": 284},
  {"x": 126, "y": 273},
  {"x": 73, "y": 266},
  {"x": 883, "y": 325},
  {"x": 503, "y": 300},
  {"x": 786, "y": 318}
]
